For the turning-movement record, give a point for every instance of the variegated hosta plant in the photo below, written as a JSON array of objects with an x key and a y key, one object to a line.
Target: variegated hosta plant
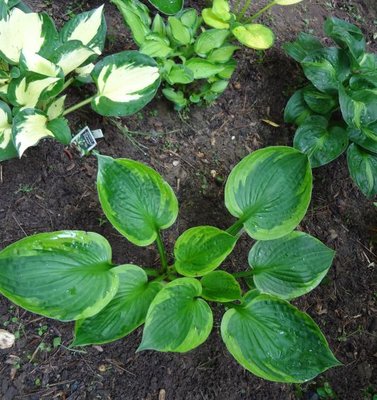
[
  {"x": 38, "y": 63},
  {"x": 69, "y": 275}
]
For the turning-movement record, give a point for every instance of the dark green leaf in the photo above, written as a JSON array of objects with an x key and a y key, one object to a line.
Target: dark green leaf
[
  {"x": 60, "y": 129},
  {"x": 319, "y": 102},
  {"x": 168, "y": 7},
  {"x": 304, "y": 45},
  {"x": 297, "y": 111},
  {"x": 366, "y": 137},
  {"x": 220, "y": 286}
]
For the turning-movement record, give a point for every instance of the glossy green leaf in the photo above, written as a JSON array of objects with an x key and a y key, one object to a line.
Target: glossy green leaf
[
  {"x": 321, "y": 143},
  {"x": 203, "y": 69},
  {"x": 327, "y": 68},
  {"x": 168, "y": 7},
  {"x": 136, "y": 17},
  {"x": 209, "y": 40},
  {"x": 202, "y": 249},
  {"x": 62, "y": 275},
  {"x": 346, "y": 35},
  {"x": 255, "y": 36},
  {"x": 290, "y": 266},
  {"x": 179, "y": 31},
  {"x": 269, "y": 191},
  {"x": 297, "y": 110},
  {"x": 220, "y": 286},
  {"x": 135, "y": 199},
  {"x": 213, "y": 20},
  {"x": 60, "y": 129},
  {"x": 319, "y": 102},
  {"x": 7, "y": 149},
  {"x": 359, "y": 107},
  {"x": 125, "y": 312},
  {"x": 177, "y": 319},
  {"x": 303, "y": 46},
  {"x": 275, "y": 341},
  {"x": 126, "y": 82},
  {"x": 365, "y": 137},
  {"x": 88, "y": 27},
  {"x": 362, "y": 166}
]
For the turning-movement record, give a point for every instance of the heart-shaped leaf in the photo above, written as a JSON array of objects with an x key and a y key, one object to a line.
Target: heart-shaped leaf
[
  {"x": 202, "y": 249},
  {"x": 290, "y": 266},
  {"x": 62, "y": 275},
  {"x": 297, "y": 111},
  {"x": 275, "y": 341},
  {"x": 135, "y": 199},
  {"x": 220, "y": 286},
  {"x": 177, "y": 319},
  {"x": 126, "y": 82},
  {"x": 319, "y": 102},
  {"x": 269, "y": 191},
  {"x": 125, "y": 312}
]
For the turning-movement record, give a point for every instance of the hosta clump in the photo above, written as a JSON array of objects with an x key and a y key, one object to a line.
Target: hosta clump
[
  {"x": 69, "y": 275},
  {"x": 337, "y": 111},
  {"x": 38, "y": 63},
  {"x": 196, "y": 62}
]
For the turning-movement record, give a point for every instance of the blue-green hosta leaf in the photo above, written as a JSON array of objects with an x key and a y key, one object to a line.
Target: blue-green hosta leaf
[
  {"x": 304, "y": 45},
  {"x": 31, "y": 125},
  {"x": 365, "y": 137},
  {"x": 269, "y": 191},
  {"x": 88, "y": 27},
  {"x": 27, "y": 91},
  {"x": 31, "y": 31},
  {"x": 213, "y": 20},
  {"x": 72, "y": 55},
  {"x": 297, "y": 111},
  {"x": 178, "y": 31},
  {"x": 319, "y": 102},
  {"x": 220, "y": 286},
  {"x": 136, "y": 17},
  {"x": 290, "y": 266},
  {"x": 31, "y": 64},
  {"x": 135, "y": 199},
  {"x": 346, "y": 35},
  {"x": 321, "y": 143},
  {"x": 255, "y": 36},
  {"x": 275, "y": 341},
  {"x": 63, "y": 275},
  {"x": 7, "y": 149},
  {"x": 202, "y": 249},
  {"x": 203, "y": 69},
  {"x": 125, "y": 312},
  {"x": 359, "y": 107},
  {"x": 327, "y": 68},
  {"x": 362, "y": 166},
  {"x": 209, "y": 40},
  {"x": 177, "y": 319},
  {"x": 170, "y": 7},
  {"x": 126, "y": 82}
]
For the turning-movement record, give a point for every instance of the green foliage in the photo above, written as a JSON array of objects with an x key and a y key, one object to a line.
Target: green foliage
[
  {"x": 38, "y": 63},
  {"x": 343, "y": 82},
  {"x": 69, "y": 275},
  {"x": 196, "y": 62}
]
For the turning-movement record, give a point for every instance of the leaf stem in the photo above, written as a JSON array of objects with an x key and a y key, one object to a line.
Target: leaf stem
[
  {"x": 243, "y": 274},
  {"x": 235, "y": 228},
  {"x": 261, "y": 11},
  {"x": 162, "y": 252},
  {"x": 78, "y": 105},
  {"x": 246, "y": 6}
]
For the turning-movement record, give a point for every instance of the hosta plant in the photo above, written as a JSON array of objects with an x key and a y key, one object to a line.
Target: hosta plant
[
  {"x": 196, "y": 62},
  {"x": 69, "y": 275},
  {"x": 38, "y": 63},
  {"x": 337, "y": 110}
]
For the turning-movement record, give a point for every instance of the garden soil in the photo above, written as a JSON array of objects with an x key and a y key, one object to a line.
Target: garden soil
[{"x": 52, "y": 188}]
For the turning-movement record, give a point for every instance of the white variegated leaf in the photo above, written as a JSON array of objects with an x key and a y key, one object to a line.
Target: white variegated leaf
[
  {"x": 84, "y": 73},
  {"x": 89, "y": 28},
  {"x": 56, "y": 108},
  {"x": 25, "y": 30},
  {"x": 126, "y": 82},
  {"x": 7, "y": 149}
]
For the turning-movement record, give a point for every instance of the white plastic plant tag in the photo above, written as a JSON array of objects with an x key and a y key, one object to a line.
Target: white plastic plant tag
[
  {"x": 84, "y": 141},
  {"x": 97, "y": 133}
]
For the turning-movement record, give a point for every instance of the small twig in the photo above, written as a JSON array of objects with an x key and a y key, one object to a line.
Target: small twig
[{"x": 17, "y": 222}]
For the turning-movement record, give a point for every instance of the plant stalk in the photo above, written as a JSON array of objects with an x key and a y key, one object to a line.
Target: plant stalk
[
  {"x": 162, "y": 252},
  {"x": 78, "y": 105},
  {"x": 235, "y": 228},
  {"x": 243, "y": 274},
  {"x": 246, "y": 6},
  {"x": 261, "y": 11}
]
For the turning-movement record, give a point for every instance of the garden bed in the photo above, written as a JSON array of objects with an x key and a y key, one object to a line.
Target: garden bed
[{"x": 51, "y": 188}]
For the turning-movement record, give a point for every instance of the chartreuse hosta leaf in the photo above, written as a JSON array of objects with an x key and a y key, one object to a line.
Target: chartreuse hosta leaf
[
  {"x": 31, "y": 31},
  {"x": 125, "y": 312},
  {"x": 135, "y": 199},
  {"x": 56, "y": 108},
  {"x": 290, "y": 266},
  {"x": 126, "y": 82},
  {"x": 275, "y": 341},
  {"x": 177, "y": 320},
  {"x": 220, "y": 286},
  {"x": 62, "y": 275},
  {"x": 209, "y": 40},
  {"x": 362, "y": 166},
  {"x": 269, "y": 191},
  {"x": 202, "y": 249},
  {"x": 7, "y": 149},
  {"x": 31, "y": 125},
  {"x": 213, "y": 20},
  {"x": 168, "y": 7},
  {"x": 255, "y": 36},
  {"x": 89, "y": 28},
  {"x": 321, "y": 142}
]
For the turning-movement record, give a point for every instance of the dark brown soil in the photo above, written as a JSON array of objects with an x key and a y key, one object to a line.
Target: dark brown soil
[{"x": 46, "y": 190}]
